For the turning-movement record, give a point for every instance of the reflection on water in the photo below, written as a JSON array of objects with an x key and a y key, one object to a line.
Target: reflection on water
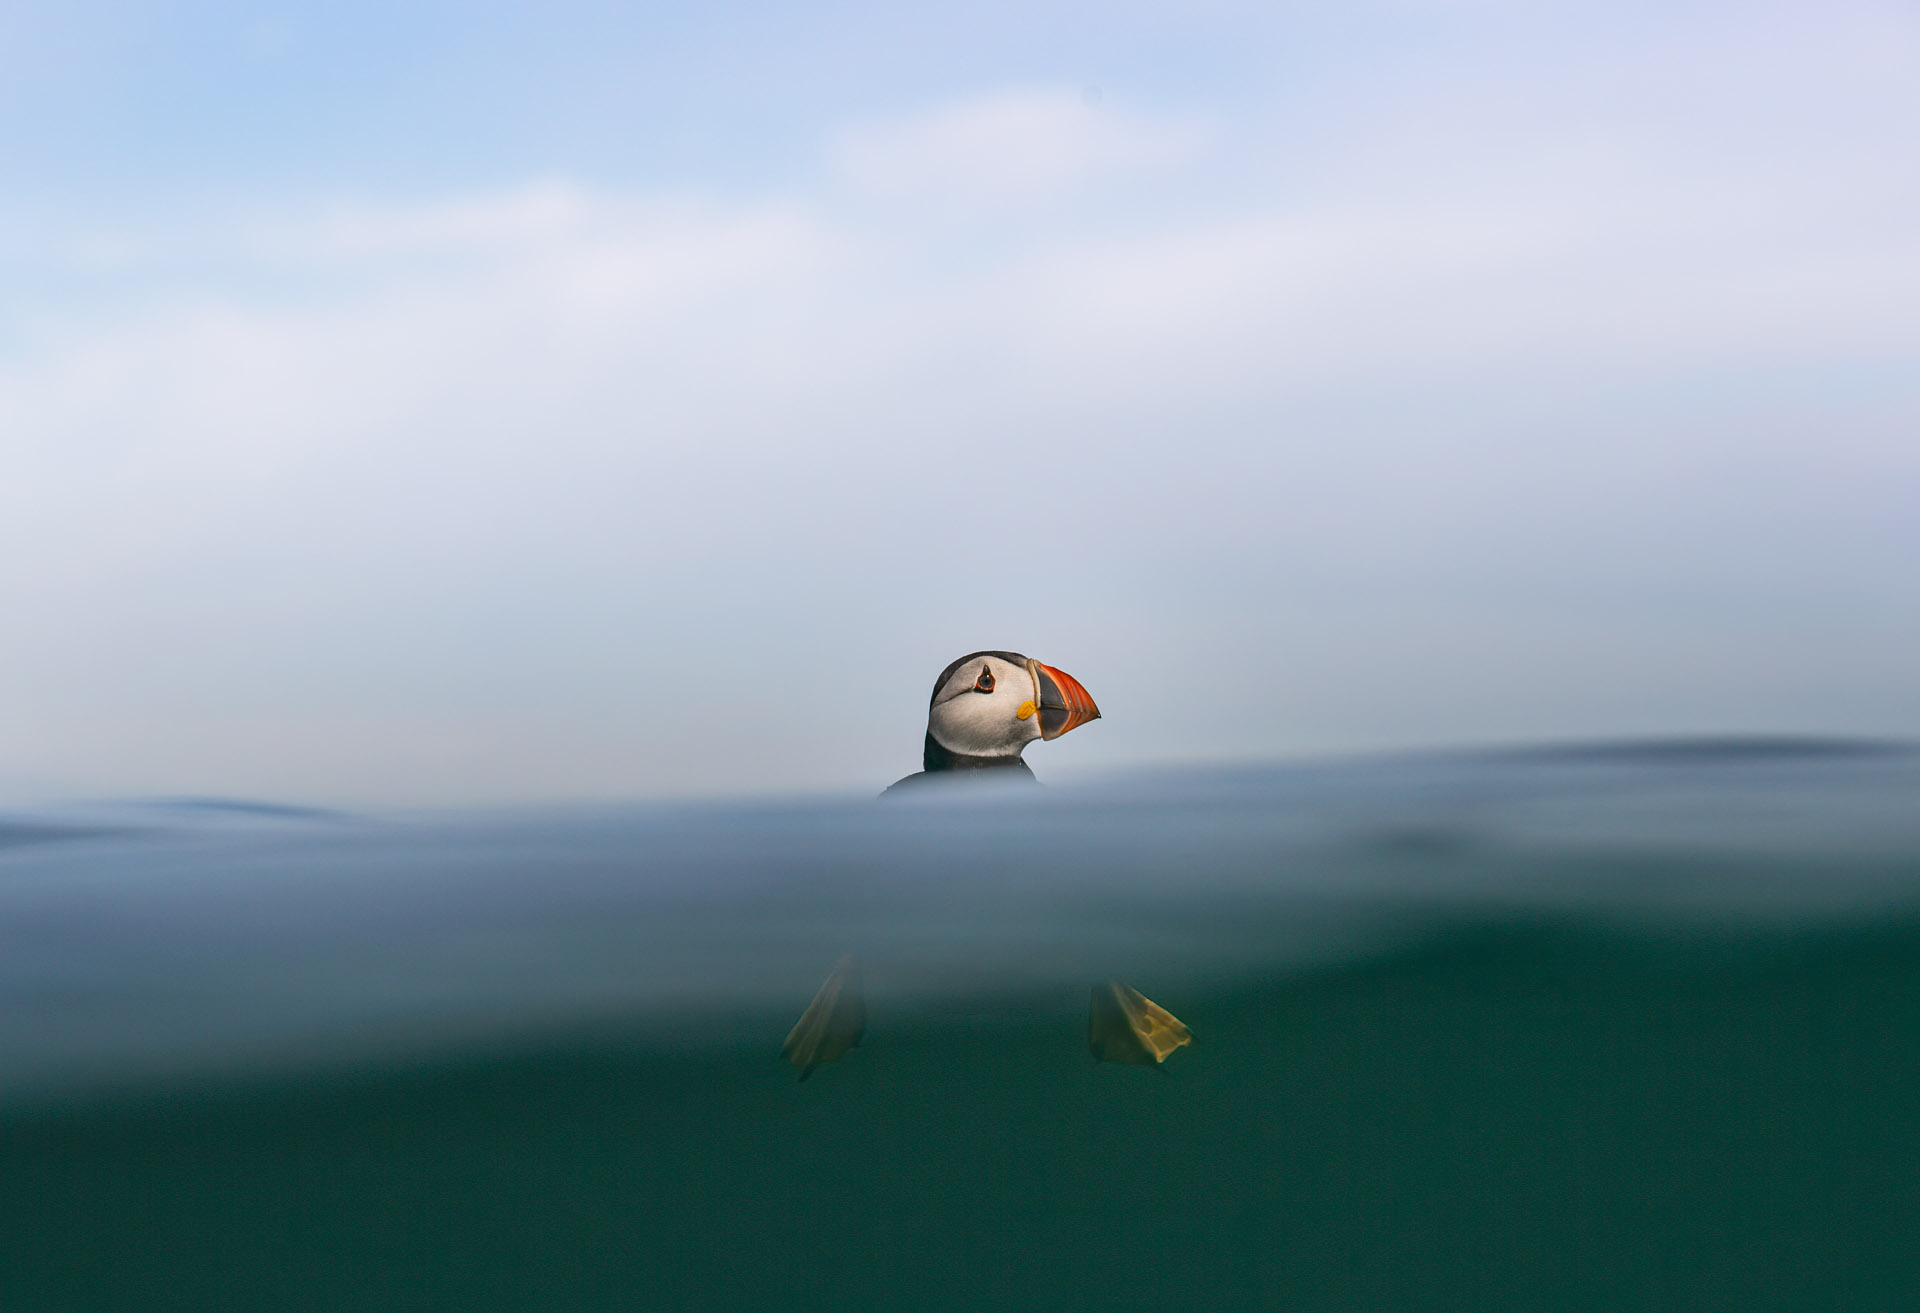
[{"x": 1581, "y": 1029}]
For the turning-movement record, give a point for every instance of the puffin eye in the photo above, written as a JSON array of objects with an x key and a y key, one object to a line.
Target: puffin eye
[{"x": 984, "y": 684}]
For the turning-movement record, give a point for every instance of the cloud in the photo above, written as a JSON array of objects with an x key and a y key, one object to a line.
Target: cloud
[
  {"x": 540, "y": 212},
  {"x": 1011, "y": 148}
]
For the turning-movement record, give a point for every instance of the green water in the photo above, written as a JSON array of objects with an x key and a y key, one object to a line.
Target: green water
[
  {"x": 1515, "y": 1118},
  {"x": 1618, "y": 1031}
]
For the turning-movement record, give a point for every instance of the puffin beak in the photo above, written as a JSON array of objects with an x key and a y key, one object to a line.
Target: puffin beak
[{"x": 1064, "y": 705}]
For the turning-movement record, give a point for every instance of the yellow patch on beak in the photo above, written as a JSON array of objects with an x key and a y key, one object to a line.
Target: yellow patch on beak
[{"x": 1026, "y": 710}]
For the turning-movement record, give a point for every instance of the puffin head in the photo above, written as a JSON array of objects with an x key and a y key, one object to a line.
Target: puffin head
[{"x": 988, "y": 706}]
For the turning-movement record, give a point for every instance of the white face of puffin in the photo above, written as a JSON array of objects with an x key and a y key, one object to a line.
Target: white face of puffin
[
  {"x": 991, "y": 706},
  {"x": 987, "y": 708}
]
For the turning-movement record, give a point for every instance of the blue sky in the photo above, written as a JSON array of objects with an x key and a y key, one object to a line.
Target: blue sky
[{"x": 468, "y": 403}]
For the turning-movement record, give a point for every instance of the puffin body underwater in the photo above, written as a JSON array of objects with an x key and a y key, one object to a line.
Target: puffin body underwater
[{"x": 986, "y": 708}]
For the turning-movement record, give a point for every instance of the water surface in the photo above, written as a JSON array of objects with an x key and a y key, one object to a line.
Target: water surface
[{"x": 1591, "y": 1029}]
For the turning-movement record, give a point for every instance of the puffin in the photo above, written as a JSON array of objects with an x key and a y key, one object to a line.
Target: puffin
[{"x": 987, "y": 706}]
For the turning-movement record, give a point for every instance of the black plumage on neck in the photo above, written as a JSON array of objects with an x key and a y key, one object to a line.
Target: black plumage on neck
[{"x": 939, "y": 758}]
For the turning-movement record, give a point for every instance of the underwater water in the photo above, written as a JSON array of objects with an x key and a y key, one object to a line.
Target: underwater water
[{"x": 1633, "y": 1027}]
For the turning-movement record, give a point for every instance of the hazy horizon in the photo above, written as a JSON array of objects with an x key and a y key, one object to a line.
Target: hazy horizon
[{"x": 464, "y": 406}]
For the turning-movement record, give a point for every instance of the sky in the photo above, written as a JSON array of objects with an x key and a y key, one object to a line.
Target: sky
[{"x": 446, "y": 404}]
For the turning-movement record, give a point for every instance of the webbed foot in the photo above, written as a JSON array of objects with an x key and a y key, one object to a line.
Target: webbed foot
[
  {"x": 832, "y": 1023},
  {"x": 1124, "y": 1025}
]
